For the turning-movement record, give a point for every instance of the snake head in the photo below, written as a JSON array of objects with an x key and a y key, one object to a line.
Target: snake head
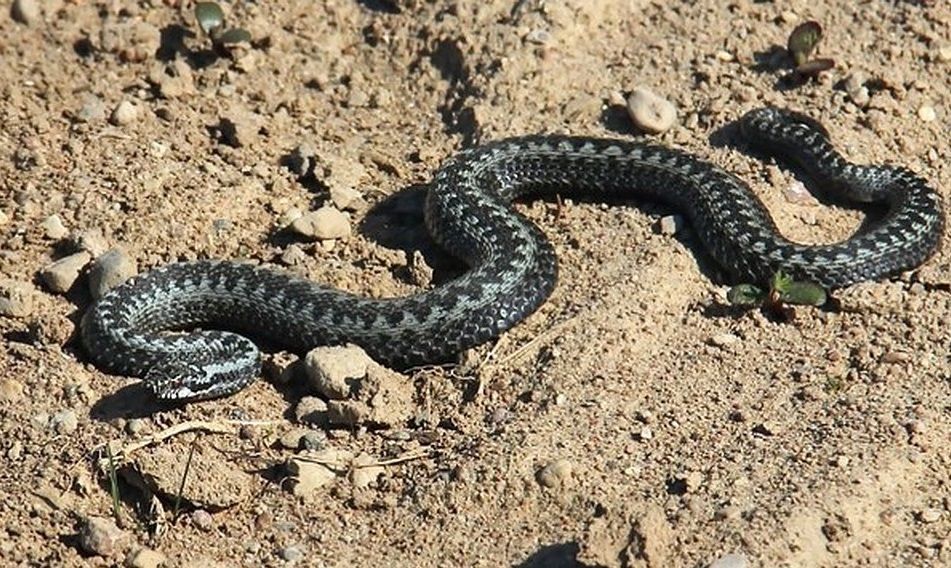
[{"x": 188, "y": 381}]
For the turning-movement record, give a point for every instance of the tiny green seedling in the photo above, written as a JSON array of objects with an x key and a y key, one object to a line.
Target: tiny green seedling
[
  {"x": 211, "y": 20},
  {"x": 801, "y": 43},
  {"x": 782, "y": 290}
]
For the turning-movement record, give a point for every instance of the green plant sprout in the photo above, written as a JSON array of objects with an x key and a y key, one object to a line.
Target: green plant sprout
[
  {"x": 211, "y": 20},
  {"x": 782, "y": 290},
  {"x": 802, "y": 41}
]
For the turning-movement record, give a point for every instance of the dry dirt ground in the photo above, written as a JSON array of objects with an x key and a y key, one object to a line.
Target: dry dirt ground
[{"x": 632, "y": 421}]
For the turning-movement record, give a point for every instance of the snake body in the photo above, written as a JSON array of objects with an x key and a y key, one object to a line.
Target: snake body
[{"x": 512, "y": 265}]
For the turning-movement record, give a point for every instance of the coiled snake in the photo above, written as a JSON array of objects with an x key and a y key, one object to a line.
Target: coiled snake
[{"x": 512, "y": 265}]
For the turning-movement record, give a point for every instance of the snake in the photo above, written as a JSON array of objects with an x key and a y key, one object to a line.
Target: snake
[{"x": 185, "y": 328}]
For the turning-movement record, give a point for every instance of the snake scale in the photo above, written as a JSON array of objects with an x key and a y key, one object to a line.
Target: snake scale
[{"x": 512, "y": 266}]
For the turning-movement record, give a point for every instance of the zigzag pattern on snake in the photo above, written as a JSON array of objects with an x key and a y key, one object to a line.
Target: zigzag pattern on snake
[{"x": 512, "y": 265}]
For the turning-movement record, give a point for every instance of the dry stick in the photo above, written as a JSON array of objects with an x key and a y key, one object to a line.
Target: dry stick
[
  {"x": 217, "y": 427},
  {"x": 408, "y": 456}
]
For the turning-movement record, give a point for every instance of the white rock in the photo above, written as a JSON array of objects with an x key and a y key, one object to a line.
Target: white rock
[
  {"x": 670, "y": 224},
  {"x": 556, "y": 474},
  {"x": 26, "y": 11},
  {"x": 650, "y": 112},
  {"x": 927, "y": 114},
  {"x": 53, "y": 227},
  {"x": 62, "y": 274},
  {"x": 323, "y": 224},
  {"x": 125, "y": 113}
]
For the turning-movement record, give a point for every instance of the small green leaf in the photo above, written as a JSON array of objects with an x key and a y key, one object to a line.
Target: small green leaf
[
  {"x": 780, "y": 282},
  {"x": 745, "y": 295},
  {"x": 803, "y": 40},
  {"x": 209, "y": 16},
  {"x": 803, "y": 293},
  {"x": 233, "y": 36}
]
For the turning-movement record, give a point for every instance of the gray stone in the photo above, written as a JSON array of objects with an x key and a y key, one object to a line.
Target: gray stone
[
  {"x": 109, "y": 270},
  {"x": 62, "y": 274},
  {"x": 101, "y": 536}
]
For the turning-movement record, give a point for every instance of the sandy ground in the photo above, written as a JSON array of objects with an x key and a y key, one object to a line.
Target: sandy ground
[{"x": 632, "y": 421}]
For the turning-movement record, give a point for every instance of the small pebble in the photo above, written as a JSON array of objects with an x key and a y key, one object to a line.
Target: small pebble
[
  {"x": 323, "y": 224},
  {"x": 11, "y": 390},
  {"x": 203, "y": 519},
  {"x": 306, "y": 477},
  {"x": 292, "y": 438},
  {"x": 292, "y": 553},
  {"x": 556, "y": 474},
  {"x": 109, "y": 270},
  {"x": 93, "y": 110},
  {"x": 15, "y": 451},
  {"x": 730, "y": 561},
  {"x": 311, "y": 410},
  {"x": 650, "y": 112},
  {"x": 692, "y": 481},
  {"x": 538, "y": 36},
  {"x": 347, "y": 198},
  {"x": 796, "y": 192},
  {"x": 930, "y": 516},
  {"x": 53, "y": 227},
  {"x": 145, "y": 558},
  {"x": 62, "y": 274},
  {"x": 25, "y": 11},
  {"x": 64, "y": 422},
  {"x": 125, "y": 113},
  {"x": 724, "y": 340},
  {"x": 100, "y": 536},
  {"x": 136, "y": 426},
  {"x": 670, "y": 225},
  {"x": 645, "y": 434},
  {"x": 927, "y": 114},
  {"x": 17, "y": 299},
  {"x": 294, "y": 255},
  {"x": 89, "y": 240},
  {"x": 944, "y": 54},
  {"x": 313, "y": 440},
  {"x": 420, "y": 273}
]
